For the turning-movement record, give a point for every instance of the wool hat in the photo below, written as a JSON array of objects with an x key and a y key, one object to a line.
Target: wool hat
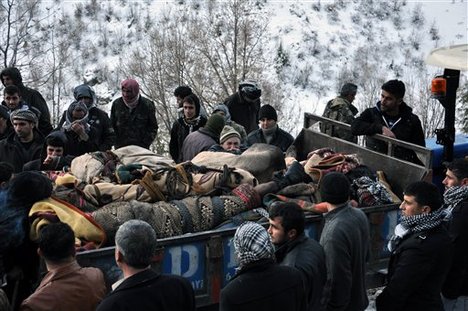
[
  {"x": 250, "y": 89},
  {"x": 252, "y": 243},
  {"x": 215, "y": 124},
  {"x": 348, "y": 88},
  {"x": 395, "y": 87},
  {"x": 267, "y": 111},
  {"x": 228, "y": 132},
  {"x": 4, "y": 113},
  {"x": 25, "y": 115},
  {"x": 334, "y": 188}
]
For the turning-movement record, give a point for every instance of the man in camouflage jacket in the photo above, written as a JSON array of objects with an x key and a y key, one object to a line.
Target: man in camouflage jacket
[{"x": 341, "y": 109}]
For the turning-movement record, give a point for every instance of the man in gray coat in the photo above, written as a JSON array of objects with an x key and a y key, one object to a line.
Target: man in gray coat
[{"x": 345, "y": 240}]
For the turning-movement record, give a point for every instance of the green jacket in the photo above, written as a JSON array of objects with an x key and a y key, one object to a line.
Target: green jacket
[{"x": 339, "y": 109}]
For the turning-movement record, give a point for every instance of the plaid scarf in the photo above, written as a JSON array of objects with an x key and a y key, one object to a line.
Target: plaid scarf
[
  {"x": 452, "y": 197},
  {"x": 252, "y": 243},
  {"x": 414, "y": 224}
]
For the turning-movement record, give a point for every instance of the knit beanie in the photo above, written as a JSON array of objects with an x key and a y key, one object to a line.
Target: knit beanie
[
  {"x": 395, "y": 87},
  {"x": 334, "y": 188},
  {"x": 228, "y": 132},
  {"x": 267, "y": 111},
  {"x": 24, "y": 115},
  {"x": 215, "y": 124},
  {"x": 252, "y": 243}
]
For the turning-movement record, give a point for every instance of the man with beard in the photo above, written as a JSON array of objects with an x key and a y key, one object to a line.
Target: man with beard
[
  {"x": 294, "y": 249},
  {"x": 455, "y": 288},
  {"x": 421, "y": 253},
  {"x": 25, "y": 143},
  {"x": 391, "y": 117},
  {"x": 133, "y": 117}
]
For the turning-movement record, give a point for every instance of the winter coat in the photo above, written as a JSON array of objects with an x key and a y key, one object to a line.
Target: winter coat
[
  {"x": 307, "y": 256},
  {"x": 281, "y": 139},
  {"x": 103, "y": 133},
  {"x": 228, "y": 121},
  {"x": 69, "y": 287},
  {"x": 264, "y": 286},
  {"x": 456, "y": 283},
  {"x": 416, "y": 271},
  {"x": 149, "y": 290},
  {"x": 243, "y": 112},
  {"x": 134, "y": 127},
  {"x": 339, "y": 109},
  {"x": 197, "y": 142},
  {"x": 345, "y": 240},
  {"x": 179, "y": 131},
  {"x": 13, "y": 151},
  {"x": 408, "y": 129}
]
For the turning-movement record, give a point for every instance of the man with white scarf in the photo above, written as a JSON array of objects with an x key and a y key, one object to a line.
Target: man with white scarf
[
  {"x": 455, "y": 288},
  {"x": 421, "y": 252}
]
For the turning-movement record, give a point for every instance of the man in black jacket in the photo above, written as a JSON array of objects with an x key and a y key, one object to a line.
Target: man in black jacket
[
  {"x": 12, "y": 76},
  {"x": 391, "y": 117},
  {"x": 25, "y": 143},
  {"x": 294, "y": 249},
  {"x": 269, "y": 131},
  {"x": 421, "y": 253},
  {"x": 455, "y": 288},
  {"x": 260, "y": 284},
  {"x": 245, "y": 104},
  {"x": 142, "y": 288}
]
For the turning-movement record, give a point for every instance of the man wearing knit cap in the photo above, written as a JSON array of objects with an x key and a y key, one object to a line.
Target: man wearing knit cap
[
  {"x": 223, "y": 110},
  {"x": 341, "y": 109},
  {"x": 345, "y": 240},
  {"x": 97, "y": 118},
  {"x": 25, "y": 143},
  {"x": 229, "y": 141},
  {"x": 391, "y": 117},
  {"x": 269, "y": 131},
  {"x": 133, "y": 117},
  {"x": 260, "y": 284},
  {"x": 203, "y": 139}
]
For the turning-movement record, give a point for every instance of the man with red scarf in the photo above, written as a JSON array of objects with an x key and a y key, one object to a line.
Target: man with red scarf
[{"x": 133, "y": 117}]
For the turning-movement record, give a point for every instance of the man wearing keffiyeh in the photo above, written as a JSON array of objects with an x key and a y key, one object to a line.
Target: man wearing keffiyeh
[
  {"x": 260, "y": 284},
  {"x": 455, "y": 288},
  {"x": 421, "y": 253}
]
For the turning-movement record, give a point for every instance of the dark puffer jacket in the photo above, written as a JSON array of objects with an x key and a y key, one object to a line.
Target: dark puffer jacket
[
  {"x": 134, "y": 127},
  {"x": 408, "y": 129},
  {"x": 416, "y": 271}
]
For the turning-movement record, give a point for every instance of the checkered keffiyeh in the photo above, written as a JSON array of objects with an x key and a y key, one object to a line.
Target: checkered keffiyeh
[{"x": 252, "y": 243}]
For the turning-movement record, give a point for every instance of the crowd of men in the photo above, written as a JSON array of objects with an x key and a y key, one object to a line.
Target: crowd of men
[{"x": 279, "y": 268}]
